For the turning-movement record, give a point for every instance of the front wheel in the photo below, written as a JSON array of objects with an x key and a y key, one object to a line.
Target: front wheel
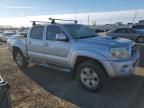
[
  {"x": 20, "y": 59},
  {"x": 91, "y": 75}
]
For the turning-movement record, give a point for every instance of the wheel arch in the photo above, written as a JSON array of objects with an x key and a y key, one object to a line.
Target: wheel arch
[
  {"x": 14, "y": 48},
  {"x": 80, "y": 59}
]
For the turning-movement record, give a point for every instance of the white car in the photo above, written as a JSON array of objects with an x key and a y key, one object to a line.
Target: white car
[{"x": 6, "y": 35}]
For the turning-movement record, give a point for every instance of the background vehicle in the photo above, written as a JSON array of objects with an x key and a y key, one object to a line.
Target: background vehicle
[
  {"x": 127, "y": 33},
  {"x": 22, "y": 33},
  {"x": 138, "y": 27},
  {"x": 0, "y": 35},
  {"x": 76, "y": 49},
  {"x": 98, "y": 30},
  {"x": 19, "y": 35},
  {"x": 6, "y": 35}
]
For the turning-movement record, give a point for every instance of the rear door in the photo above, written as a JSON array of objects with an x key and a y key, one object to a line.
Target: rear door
[
  {"x": 35, "y": 43},
  {"x": 56, "y": 52}
]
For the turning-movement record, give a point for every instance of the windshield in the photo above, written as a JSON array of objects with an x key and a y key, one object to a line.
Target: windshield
[{"x": 80, "y": 31}]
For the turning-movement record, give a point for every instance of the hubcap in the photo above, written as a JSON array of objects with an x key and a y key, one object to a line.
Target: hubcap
[
  {"x": 89, "y": 77},
  {"x": 19, "y": 59}
]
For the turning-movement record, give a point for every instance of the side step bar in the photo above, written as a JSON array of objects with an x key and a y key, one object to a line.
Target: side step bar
[{"x": 51, "y": 66}]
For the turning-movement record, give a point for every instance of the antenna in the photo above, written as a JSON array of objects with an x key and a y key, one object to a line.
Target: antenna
[{"x": 88, "y": 19}]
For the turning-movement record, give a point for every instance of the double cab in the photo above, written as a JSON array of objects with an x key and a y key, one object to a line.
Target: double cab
[{"x": 77, "y": 49}]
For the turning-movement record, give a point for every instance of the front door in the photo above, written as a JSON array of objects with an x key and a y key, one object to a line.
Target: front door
[{"x": 56, "y": 52}]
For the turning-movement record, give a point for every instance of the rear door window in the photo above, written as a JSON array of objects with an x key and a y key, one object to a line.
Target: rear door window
[{"x": 37, "y": 32}]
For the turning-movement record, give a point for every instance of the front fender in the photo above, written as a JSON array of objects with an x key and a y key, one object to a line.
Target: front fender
[
  {"x": 94, "y": 55},
  {"x": 21, "y": 46},
  {"x": 88, "y": 53}
]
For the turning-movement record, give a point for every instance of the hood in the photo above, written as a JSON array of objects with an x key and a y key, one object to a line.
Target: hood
[
  {"x": 107, "y": 41},
  {"x": 16, "y": 37}
]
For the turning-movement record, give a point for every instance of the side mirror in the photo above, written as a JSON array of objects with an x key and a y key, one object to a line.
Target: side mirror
[
  {"x": 61, "y": 37},
  {"x": 25, "y": 36}
]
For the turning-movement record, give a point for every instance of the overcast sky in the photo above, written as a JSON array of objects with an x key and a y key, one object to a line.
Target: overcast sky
[{"x": 20, "y": 12}]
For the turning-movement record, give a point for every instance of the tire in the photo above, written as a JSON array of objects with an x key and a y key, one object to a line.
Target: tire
[
  {"x": 20, "y": 60},
  {"x": 140, "y": 39},
  {"x": 91, "y": 76}
]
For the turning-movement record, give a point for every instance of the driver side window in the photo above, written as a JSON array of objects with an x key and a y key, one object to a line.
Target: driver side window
[{"x": 52, "y": 31}]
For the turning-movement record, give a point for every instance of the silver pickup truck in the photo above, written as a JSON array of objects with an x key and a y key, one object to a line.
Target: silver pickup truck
[{"x": 76, "y": 49}]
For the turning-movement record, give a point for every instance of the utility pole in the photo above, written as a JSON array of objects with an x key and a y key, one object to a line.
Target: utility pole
[
  {"x": 135, "y": 15},
  {"x": 88, "y": 19},
  {"x": 75, "y": 14}
]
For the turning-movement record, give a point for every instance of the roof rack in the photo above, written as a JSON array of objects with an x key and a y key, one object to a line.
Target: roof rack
[
  {"x": 34, "y": 23},
  {"x": 53, "y": 20}
]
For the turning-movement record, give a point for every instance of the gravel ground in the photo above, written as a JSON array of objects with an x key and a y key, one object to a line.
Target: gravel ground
[
  {"x": 25, "y": 93},
  {"x": 40, "y": 87}
]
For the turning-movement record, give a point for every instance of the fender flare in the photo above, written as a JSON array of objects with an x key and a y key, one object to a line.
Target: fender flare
[{"x": 22, "y": 48}]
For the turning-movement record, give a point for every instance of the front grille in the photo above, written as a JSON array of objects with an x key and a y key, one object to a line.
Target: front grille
[{"x": 133, "y": 50}]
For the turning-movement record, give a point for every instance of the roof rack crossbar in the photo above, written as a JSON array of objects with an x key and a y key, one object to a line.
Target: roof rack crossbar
[
  {"x": 34, "y": 22},
  {"x": 53, "y": 20}
]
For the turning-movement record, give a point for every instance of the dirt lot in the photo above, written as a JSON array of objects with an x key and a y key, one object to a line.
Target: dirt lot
[
  {"x": 40, "y": 87},
  {"x": 25, "y": 93}
]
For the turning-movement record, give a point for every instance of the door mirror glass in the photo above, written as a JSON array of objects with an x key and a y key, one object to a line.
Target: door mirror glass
[
  {"x": 25, "y": 35},
  {"x": 61, "y": 37}
]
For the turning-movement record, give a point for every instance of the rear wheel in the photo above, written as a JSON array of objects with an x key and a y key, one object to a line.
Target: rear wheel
[
  {"x": 140, "y": 40},
  {"x": 20, "y": 60},
  {"x": 91, "y": 75}
]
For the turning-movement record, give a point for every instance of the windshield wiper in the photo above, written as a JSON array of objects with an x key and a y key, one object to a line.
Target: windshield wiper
[{"x": 87, "y": 37}]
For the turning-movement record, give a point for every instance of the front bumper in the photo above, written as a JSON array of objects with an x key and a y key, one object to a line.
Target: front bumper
[{"x": 118, "y": 68}]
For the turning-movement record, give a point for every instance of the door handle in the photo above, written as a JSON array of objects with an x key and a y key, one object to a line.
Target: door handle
[{"x": 46, "y": 44}]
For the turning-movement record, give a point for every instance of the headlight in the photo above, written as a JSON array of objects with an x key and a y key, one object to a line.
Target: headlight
[{"x": 120, "y": 53}]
